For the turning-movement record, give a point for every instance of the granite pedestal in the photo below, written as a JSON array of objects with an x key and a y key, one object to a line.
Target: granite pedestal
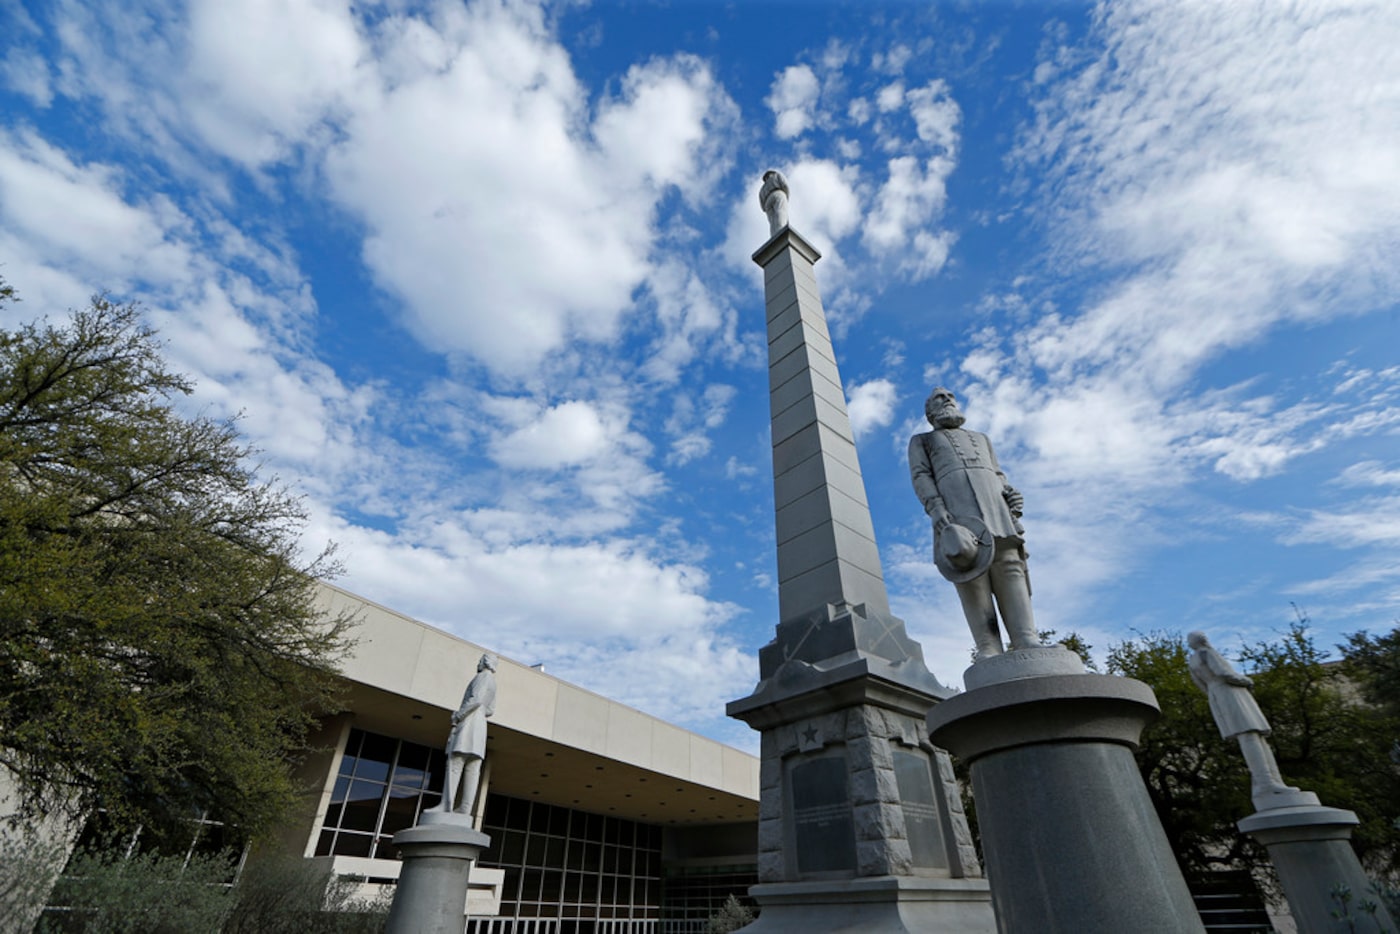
[
  {"x": 1071, "y": 841},
  {"x": 1310, "y": 846},
  {"x": 431, "y": 897},
  {"x": 860, "y": 822}
]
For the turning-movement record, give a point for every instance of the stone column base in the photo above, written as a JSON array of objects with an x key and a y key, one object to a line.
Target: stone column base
[
  {"x": 1310, "y": 846},
  {"x": 874, "y": 905},
  {"x": 431, "y": 897},
  {"x": 1070, "y": 838}
]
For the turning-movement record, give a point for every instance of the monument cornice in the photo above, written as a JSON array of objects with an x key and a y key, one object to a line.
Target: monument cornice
[{"x": 787, "y": 237}]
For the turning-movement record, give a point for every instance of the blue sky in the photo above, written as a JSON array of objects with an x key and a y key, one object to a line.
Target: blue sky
[{"x": 477, "y": 276}]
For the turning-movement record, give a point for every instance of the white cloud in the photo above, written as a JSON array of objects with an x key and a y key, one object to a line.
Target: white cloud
[
  {"x": 793, "y": 100},
  {"x": 894, "y": 61},
  {"x": 262, "y": 73},
  {"x": 870, "y": 405},
  {"x": 690, "y": 317},
  {"x": 890, "y": 97},
  {"x": 505, "y": 221},
  {"x": 936, "y": 115},
  {"x": 26, "y": 72},
  {"x": 565, "y": 435},
  {"x": 1370, "y": 473},
  {"x": 611, "y": 616},
  {"x": 825, "y": 204},
  {"x": 1370, "y": 521},
  {"x": 69, "y": 229},
  {"x": 912, "y": 196},
  {"x": 77, "y": 214}
]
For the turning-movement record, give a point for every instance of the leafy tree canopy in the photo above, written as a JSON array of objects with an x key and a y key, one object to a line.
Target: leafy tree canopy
[
  {"x": 1328, "y": 740},
  {"x": 160, "y": 648}
]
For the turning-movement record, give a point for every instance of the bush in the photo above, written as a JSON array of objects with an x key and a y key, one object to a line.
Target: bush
[
  {"x": 731, "y": 916},
  {"x": 103, "y": 891},
  {"x": 300, "y": 896}
]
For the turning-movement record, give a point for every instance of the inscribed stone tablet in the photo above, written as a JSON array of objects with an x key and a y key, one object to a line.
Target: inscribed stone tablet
[
  {"x": 921, "y": 822},
  {"x": 821, "y": 815}
]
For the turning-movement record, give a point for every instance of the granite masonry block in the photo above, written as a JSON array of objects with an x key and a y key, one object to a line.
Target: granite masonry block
[
  {"x": 880, "y": 822},
  {"x": 770, "y": 835}
]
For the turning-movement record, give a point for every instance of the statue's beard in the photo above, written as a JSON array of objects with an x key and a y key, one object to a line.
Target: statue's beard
[{"x": 949, "y": 420}]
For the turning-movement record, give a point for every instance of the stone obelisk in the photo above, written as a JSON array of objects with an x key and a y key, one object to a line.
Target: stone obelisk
[{"x": 860, "y": 823}]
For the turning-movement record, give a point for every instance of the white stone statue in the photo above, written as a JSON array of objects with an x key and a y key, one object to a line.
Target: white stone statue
[
  {"x": 466, "y": 746},
  {"x": 978, "y": 541},
  {"x": 774, "y": 198},
  {"x": 1236, "y": 713}
]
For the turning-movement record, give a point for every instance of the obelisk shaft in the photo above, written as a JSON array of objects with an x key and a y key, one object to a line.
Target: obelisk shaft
[{"x": 826, "y": 541}]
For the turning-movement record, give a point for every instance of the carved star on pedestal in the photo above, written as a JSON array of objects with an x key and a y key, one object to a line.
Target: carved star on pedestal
[{"x": 810, "y": 739}]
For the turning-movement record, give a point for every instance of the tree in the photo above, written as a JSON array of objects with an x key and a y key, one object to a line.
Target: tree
[
  {"x": 160, "y": 649},
  {"x": 1373, "y": 664}
]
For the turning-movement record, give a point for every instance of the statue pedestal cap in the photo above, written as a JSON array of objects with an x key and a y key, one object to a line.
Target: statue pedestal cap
[
  {"x": 431, "y": 897},
  {"x": 1069, "y": 836}
]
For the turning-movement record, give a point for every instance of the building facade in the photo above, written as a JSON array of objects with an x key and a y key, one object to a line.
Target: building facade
[{"x": 603, "y": 820}]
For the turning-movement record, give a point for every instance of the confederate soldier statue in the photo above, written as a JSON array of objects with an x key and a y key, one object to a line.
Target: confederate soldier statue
[
  {"x": 1236, "y": 713},
  {"x": 466, "y": 746},
  {"x": 774, "y": 198},
  {"x": 978, "y": 542}
]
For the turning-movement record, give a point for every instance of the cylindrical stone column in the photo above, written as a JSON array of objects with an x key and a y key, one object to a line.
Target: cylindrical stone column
[
  {"x": 1071, "y": 842},
  {"x": 431, "y": 897},
  {"x": 1311, "y": 848}
]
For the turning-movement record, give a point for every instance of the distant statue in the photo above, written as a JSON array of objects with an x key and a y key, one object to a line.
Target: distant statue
[
  {"x": 1236, "y": 713},
  {"x": 774, "y": 198},
  {"x": 978, "y": 541},
  {"x": 466, "y": 746}
]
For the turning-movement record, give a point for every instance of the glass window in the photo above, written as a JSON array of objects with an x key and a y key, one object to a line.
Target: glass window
[
  {"x": 376, "y": 757},
  {"x": 566, "y": 872},
  {"x": 366, "y": 808},
  {"x": 400, "y": 811},
  {"x": 352, "y": 844},
  {"x": 361, "y": 811}
]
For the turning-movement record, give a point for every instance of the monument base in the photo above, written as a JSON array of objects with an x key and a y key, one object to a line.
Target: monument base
[
  {"x": 431, "y": 897},
  {"x": 879, "y": 904},
  {"x": 1069, "y": 835},
  {"x": 1310, "y": 846}
]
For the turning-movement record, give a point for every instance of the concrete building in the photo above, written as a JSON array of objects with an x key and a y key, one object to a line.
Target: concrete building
[{"x": 603, "y": 820}]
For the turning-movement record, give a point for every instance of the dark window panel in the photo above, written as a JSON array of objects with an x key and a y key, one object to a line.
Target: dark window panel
[{"x": 352, "y": 844}]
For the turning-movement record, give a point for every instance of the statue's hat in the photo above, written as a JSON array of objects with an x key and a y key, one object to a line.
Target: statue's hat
[{"x": 963, "y": 550}]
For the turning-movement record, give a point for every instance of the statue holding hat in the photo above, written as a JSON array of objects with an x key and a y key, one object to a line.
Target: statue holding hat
[{"x": 978, "y": 541}]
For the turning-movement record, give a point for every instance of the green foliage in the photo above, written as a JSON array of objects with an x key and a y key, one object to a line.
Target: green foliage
[
  {"x": 289, "y": 895},
  {"x": 104, "y": 892},
  {"x": 1327, "y": 741},
  {"x": 160, "y": 651},
  {"x": 1365, "y": 911},
  {"x": 732, "y": 916},
  {"x": 1072, "y": 641},
  {"x": 106, "y": 889},
  {"x": 1373, "y": 664}
]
